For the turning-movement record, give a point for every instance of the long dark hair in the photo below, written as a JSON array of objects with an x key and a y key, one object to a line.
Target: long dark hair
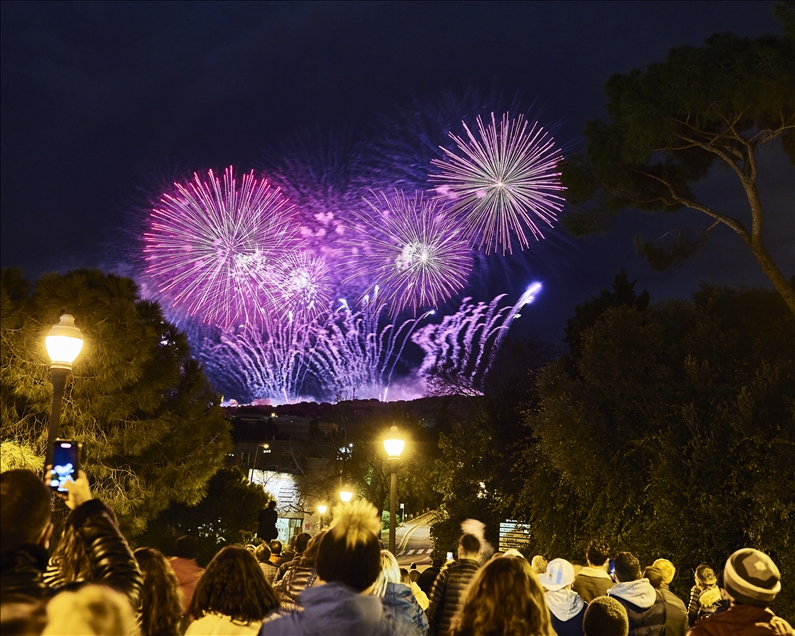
[
  {"x": 233, "y": 585},
  {"x": 504, "y": 598},
  {"x": 161, "y": 606}
]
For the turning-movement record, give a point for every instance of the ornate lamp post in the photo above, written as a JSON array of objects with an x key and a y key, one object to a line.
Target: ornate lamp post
[
  {"x": 64, "y": 342},
  {"x": 393, "y": 444}
]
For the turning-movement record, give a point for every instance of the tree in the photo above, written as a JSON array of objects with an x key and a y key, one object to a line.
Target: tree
[
  {"x": 669, "y": 124},
  {"x": 151, "y": 426},
  {"x": 226, "y": 515},
  {"x": 673, "y": 436}
]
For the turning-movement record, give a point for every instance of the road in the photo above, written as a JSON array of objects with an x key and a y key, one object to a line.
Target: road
[{"x": 413, "y": 541}]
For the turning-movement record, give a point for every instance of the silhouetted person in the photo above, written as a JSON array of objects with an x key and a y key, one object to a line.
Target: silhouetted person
[
  {"x": 267, "y": 522},
  {"x": 186, "y": 568}
]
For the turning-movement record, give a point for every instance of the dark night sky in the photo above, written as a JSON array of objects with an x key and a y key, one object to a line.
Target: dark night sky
[{"x": 98, "y": 97}]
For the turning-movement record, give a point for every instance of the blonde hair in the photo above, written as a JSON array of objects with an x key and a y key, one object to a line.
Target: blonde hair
[
  {"x": 505, "y": 597},
  {"x": 94, "y": 610},
  {"x": 390, "y": 573},
  {"x": 667, "y": 568}
]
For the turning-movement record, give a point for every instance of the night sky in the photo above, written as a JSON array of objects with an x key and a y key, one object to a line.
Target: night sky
[{"x": 102, "y": 101}]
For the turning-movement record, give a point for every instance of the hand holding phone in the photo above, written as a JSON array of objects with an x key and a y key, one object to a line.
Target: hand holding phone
[{"x": 78, "y": 491}]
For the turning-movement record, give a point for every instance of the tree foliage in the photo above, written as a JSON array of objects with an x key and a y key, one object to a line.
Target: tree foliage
[
  {"x": 673, "y": 436},
  {"x": 226, "y": 515},
  {"x": 474, "y": 475},
  {"x": 667, "y": 125},
  {"x": 151, "y": 427}
]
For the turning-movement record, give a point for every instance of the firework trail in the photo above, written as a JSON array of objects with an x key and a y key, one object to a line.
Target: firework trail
[
  {"x": 459, "y": 350},
  {"x": 413, "y": 249},
  {"x": 272, "y": 364},
  {"x": 353, "y": 357},
  {"x": 211, "y": 247},
  {"x": 500, "y": 182}
]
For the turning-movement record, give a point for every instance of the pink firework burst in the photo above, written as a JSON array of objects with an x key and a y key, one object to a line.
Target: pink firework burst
[
  {"x": 501, "y": 183},
  {"x": 303, "y": 285},
  {"x": 413, "y": 250},
  {"x": 212, "y": 247}
]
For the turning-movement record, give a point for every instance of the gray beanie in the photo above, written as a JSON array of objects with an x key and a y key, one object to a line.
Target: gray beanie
[{"x": 751, "y": 578}]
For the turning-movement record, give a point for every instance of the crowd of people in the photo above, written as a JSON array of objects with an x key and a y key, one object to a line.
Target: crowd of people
[{"x": 341, "y": 581}]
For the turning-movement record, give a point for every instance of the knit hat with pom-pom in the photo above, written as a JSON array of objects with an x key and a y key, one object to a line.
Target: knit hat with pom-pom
[
  {"x": 751, "y": 578},
  {"x": 351, "y": 552}
]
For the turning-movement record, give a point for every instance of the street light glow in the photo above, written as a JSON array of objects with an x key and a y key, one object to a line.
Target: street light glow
[
  {"x": 394, "y": 443},
  {"x": 64, "y": 342},
  {"x": 322, "y": 509},
  {"x": 346, "y": 495}
]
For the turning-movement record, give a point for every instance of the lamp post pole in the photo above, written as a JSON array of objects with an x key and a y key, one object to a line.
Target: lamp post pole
[
  {"x": 64, "y": 342},
  {"x": 393, "y": 444},
  {"x": 392, "y": 504}
]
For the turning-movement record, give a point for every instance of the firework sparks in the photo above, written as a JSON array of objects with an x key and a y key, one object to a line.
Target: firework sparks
[
  {"x": 501, "y": 183},
  {"x": 212, "y": 247},
  {"x": 353, "y": 357},
  {"x": 414, "y": 250},
  {"x": 302, "y": 284},
  {"x": 459, "y": 350}
]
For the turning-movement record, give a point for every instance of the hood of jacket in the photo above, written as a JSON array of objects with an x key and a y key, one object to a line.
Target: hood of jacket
[
  {"x": 596, "y": 573},
  {"x": 334, "y": 608},
  {"x": 640, "y": 593},
  {"x": 564, "y": 604}
]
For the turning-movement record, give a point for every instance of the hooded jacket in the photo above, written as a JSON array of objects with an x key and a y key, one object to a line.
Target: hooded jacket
[
  {"x": 335, "y": 608},
  {"x": 566, "y": 610},
  {"x": 645, "y": 607},
  {"x": 399, "y": 601},
  {"x": 592, "y": 582}
]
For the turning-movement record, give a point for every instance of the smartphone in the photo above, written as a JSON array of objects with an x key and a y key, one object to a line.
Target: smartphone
[
  {"x": 449, "y": 556},
  {"x": 65, "y": 463}
]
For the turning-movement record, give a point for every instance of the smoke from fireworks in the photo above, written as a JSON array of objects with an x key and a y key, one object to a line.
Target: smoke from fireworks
[
  {"x": 500, "y": 182},
  {"x": 211, "y": 247},
  {"x": 413, "y": 249}
]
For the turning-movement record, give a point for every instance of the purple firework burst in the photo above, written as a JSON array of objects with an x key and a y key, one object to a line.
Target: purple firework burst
[
  {"x": 212, "y": 247},
  {"x": 501, "y": 183},
  {"x": 414, "y": 251}
]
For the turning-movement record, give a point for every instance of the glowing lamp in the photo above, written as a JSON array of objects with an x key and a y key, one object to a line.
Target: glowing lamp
[
  {"x": 394, "y": 443},
  {"x": 322, "y": 509},
  {"x": 346, "y": 495},
  {"x": 64, "y": 342}
]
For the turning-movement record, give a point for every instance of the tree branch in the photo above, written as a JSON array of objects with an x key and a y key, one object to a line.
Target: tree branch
[{"x": 734, "y": 224}]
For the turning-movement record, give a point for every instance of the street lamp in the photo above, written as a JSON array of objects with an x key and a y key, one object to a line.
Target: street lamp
[
  {"x": 321, "y": 510},
  {"x": 393, "y": 444},
  {"x": 346, "y": 494},
  {"x": 64, "y": 342}
]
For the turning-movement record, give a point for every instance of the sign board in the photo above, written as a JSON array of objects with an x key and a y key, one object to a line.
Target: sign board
[{"x": 513, "y": 534}]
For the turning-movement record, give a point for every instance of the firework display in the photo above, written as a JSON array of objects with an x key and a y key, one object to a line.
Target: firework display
[
  {"x": 501, "y": 183},
  {"x": 249, "y": 269},
  {"x": 212, "y": 247},
  {"x": 413, "y": 249}
]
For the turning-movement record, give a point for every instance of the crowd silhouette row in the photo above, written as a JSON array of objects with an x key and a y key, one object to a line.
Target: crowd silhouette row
[{"x": 341, "y": 582}]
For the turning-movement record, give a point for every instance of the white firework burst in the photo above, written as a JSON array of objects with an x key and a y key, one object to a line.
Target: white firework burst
[
  {"x": 501, "y": 183},
  {"x": 413, "y": 250},
  {"x": 303, "y": 285}
]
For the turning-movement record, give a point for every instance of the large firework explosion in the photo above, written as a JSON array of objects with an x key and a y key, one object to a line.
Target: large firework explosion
[
  {"x": 502, "y": 182},
  {"x": 413, "y": 249},
  {"x": 212, "y": 247},
  {"x": 259, "y": 274}
]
